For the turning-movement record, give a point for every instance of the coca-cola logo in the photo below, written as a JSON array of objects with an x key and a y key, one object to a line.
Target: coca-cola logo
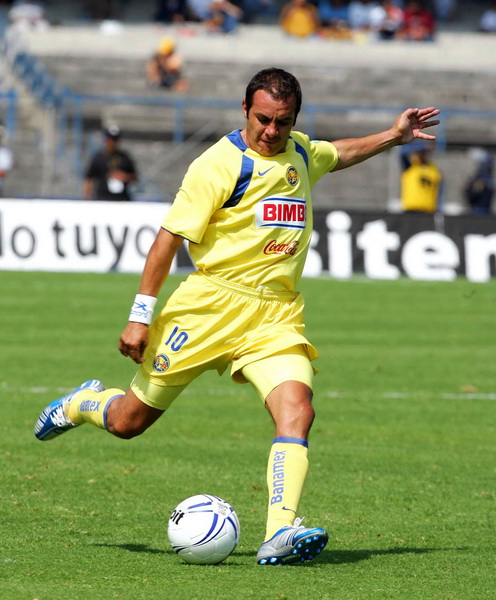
[{"x": 274, "y": 247}]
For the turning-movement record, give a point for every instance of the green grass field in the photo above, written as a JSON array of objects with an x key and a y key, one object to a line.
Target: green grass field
[{"x": 403, "y": 459}]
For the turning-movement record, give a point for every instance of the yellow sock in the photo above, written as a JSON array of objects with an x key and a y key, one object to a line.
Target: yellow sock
[
  {"x": 91, "y": 407},
  {"x": 286, "y": 472}
]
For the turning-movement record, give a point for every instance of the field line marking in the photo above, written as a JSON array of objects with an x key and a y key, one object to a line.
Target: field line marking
[
  {"x": 412, "y": 395},
  {"x": 5, "y": 387}
]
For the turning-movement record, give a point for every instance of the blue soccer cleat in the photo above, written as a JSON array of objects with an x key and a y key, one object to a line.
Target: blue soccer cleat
[
  {"x": 292, "y": 544},
  {"x": 54, "y": 421}
]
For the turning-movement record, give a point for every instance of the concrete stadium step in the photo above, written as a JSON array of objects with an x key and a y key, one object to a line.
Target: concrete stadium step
[{"x": 455, "y": 72}]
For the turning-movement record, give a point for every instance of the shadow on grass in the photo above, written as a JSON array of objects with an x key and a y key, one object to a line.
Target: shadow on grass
[
  {"x": 136, "y": 548},
  {"x": 143, "y": 548},
  {"x": 337, "y": 557},
  {"x": 328, "y": 557}
]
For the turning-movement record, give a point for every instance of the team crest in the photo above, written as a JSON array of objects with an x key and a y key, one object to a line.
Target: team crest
[
  {"x": 292, "y": 176},
  {"x": 161, "y": 363}
]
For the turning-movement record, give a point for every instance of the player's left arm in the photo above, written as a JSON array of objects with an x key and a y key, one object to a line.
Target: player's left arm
[{"x": 409, "y": 125}]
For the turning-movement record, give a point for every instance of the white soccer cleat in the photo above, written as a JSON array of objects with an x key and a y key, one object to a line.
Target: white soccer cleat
[{"x": 292, "y": 544}]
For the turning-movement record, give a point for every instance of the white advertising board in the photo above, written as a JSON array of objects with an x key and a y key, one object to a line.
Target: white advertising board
[
  {"x": 77, "y": 236},
  {"x": 85, "y": 236}
]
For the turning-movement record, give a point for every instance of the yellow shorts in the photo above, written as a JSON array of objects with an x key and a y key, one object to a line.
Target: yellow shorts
[
  {"x": 210, "y": 323},
  {"x": 265, "y": 375}
]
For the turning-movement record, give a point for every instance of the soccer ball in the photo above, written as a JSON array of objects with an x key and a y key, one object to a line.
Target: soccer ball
[{"x": 203, "y": 529}]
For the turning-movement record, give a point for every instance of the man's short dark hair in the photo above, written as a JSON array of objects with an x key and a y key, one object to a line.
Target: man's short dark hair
[{"x": 280, "y": 84}]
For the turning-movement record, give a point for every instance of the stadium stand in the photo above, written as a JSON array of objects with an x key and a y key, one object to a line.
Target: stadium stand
[{"x": 354, "y": 86}]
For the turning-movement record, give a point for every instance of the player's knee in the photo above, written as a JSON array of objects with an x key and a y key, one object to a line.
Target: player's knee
[
  {"x": 297, "y": 418},
  {"x": 305, "y": 413}
]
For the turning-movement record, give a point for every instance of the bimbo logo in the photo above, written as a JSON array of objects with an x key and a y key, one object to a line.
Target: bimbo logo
[{"x": 286, "y": 213}]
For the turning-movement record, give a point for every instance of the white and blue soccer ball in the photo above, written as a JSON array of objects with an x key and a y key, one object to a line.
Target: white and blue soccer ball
[{"x": 203, "y": 529}]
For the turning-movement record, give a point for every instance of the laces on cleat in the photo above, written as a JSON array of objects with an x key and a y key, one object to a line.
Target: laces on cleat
[
  {"x": 53, "y": 420},
  {"x": 292, "y": 543}
]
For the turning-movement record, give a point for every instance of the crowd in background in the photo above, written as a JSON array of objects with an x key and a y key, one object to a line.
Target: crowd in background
[
  {"x": 416, "y": 20},
  {"x": 387, "y": 19}
]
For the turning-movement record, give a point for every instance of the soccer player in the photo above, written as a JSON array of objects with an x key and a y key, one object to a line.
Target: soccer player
[{"x": 245, "y": 207}]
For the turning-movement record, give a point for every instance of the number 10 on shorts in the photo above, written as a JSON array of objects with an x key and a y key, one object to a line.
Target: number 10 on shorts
[{"x": 177, "y": 339}]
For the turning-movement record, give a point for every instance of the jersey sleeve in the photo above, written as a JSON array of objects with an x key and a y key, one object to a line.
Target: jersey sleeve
[
  {"x": 323, "y": 156},
  {"x": 206, "y": 187}
]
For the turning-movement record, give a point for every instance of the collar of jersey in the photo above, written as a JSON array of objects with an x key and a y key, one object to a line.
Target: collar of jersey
[{"x": 237, "y": 139}]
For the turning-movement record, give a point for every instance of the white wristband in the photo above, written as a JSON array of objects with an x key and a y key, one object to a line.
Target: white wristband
[{"x": 142, "y": 309}]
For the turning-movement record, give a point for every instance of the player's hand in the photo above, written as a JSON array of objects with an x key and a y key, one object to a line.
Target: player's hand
[
  {"x": 411, "y": 123},
  {"x": 133, "y": 341}
]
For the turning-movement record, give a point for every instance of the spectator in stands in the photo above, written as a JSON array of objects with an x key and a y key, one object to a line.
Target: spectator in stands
[
  {"x": 219, "y": 16},
  {"x": 479, "y": 189},
  {"x": 386, "y": 19},
  {"x": 101, "y": 10},
  {"x": 445, "y": 9},
  {"x": 28, "y": 14},
  {"x": 198, "y": 9},
  {"x": 110, "y": 170},
  {"x": 254, "y": 10},
  {"x": 487, "y": 23},
  {"x": 170, "y": 11},
  {"x": 164, "y": 69},
  {"x": 421, "y": 180},
  {"x": 223, "y": 17},
  {"x": 299, "y": 18},
  {"x": 419, "y": 24},
  {"x": 6, "y": 160},
  {"x": 359, "y": 14},
  {"x": 334, "y": 18}
]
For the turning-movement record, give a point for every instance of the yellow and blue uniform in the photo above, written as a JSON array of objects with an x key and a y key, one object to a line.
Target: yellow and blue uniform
[
  {"x": 249, "y": 221},
  {"x": 250, "y": 217}
]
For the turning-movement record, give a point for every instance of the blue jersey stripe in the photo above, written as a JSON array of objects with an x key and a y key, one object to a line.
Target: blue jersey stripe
[
  {"x": 247, "y": 165},
  {"x": 236, "y": 138},
  {"x": 299, "y": 148},
  {"x": 242, "y": 183}
]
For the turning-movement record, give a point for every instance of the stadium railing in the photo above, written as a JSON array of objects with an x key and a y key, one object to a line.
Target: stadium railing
[
  {"x": 9, "y": 100},
  {"x": 69, "y": 108}
]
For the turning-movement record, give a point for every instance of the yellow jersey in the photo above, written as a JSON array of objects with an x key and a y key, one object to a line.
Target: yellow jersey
[
  {"x": 420, "y": 186},
  {"x": 249, "y": 217}
]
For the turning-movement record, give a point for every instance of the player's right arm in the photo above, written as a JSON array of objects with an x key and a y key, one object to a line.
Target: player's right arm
[{"x": 134, "y": 338}]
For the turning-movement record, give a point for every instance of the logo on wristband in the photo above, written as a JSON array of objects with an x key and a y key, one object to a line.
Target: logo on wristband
[{"x": 161, "y": 363}]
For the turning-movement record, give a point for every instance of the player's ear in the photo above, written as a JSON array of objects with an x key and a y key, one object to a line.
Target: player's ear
[{"x": 245, "y": 110}]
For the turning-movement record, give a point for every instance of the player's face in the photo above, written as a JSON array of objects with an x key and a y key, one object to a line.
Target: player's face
[{"x": 269, "y": 123}]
